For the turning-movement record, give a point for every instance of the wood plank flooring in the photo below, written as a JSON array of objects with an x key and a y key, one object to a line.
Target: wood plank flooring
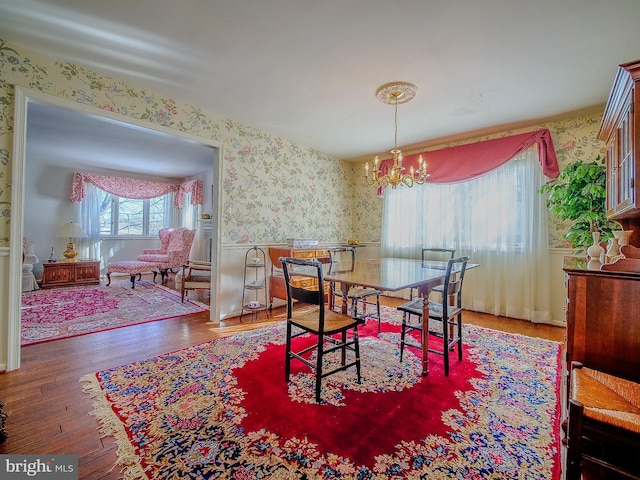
[{"x": 49, "y": 413}]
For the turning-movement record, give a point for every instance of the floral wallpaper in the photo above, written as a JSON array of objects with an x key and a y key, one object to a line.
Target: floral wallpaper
[{"x": 273, "y": 188}]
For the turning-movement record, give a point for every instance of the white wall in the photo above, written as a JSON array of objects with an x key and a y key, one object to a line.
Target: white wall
[{"x": 47, "y": 208}]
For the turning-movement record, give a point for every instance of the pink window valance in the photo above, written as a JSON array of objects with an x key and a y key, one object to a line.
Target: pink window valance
[
  {"x": 466, "y": 162},
  {"x": 136, "y": 188}
]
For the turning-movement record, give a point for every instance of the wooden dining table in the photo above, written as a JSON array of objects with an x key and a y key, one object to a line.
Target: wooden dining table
[{"x": 392, "y": 275}]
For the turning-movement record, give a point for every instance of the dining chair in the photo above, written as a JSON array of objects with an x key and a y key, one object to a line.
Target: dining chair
[
  {"x": 448, "y": 311},
  {"x": 437, "y": 254},
  {"x": 329, "y": 327},
  {"x": 343, "y": 259},
  {"x": 195, "y": 275}
]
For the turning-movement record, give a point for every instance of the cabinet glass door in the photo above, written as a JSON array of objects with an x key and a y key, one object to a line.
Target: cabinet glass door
[
  {"x": 626, "y": 173},
  {"x": 612, "y": 177}
]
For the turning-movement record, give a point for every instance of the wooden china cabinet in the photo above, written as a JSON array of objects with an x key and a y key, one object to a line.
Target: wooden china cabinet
[{"x": 603, "y": 318}]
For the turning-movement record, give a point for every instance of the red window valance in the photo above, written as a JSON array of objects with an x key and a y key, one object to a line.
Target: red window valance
[
  {"x": 466, "y": 162},
  {"x": 135, "y": 188}
]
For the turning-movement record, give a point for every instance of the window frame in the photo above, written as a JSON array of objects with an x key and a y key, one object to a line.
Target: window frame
[{"x": 115, "y": 201}]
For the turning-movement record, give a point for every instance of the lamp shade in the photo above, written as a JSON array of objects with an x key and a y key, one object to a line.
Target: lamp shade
[
  {"x": 71, "y": 230},
  {"x": 30, "y": 259}
]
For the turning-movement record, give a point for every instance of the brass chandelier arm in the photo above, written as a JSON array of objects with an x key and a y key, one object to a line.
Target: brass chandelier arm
[{"x": 396, "y": 177}]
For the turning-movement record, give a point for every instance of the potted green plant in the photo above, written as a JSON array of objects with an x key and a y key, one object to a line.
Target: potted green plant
[{"x": 579, "y": 195}]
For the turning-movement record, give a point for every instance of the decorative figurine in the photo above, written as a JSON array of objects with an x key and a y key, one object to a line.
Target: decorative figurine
[{"x": 52, "y": 257}]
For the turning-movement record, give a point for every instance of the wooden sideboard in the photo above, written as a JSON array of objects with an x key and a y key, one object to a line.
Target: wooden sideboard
[
  {"x": 603, "y": 319},
  {"x": 276, "y": 277},
  {"x": 71, "y": 274}
]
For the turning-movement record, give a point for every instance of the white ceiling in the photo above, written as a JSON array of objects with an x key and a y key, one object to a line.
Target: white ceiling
[
  {"x": 308, "y": 69},
  {"x": 60, "y": 136}
]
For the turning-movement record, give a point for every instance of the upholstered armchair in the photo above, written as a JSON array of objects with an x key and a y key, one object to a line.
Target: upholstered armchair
[
  {"x": 165, "y": 237},
  {"x": 177, "y": 254}
]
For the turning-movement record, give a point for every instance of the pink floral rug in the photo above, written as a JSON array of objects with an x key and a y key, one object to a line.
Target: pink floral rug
[{"x": 68, "y": 312}]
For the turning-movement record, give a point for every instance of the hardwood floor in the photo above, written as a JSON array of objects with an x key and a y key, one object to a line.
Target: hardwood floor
[{"x": 49, "y": 413}]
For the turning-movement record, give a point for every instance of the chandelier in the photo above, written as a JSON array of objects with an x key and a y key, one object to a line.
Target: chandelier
[{"x": 395, "y": 94}]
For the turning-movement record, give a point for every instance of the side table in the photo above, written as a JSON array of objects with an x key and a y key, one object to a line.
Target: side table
[{"x": 71, "y": 274}]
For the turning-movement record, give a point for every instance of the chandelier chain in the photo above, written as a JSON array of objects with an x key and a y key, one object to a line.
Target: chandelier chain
[{"x": 395, "y": 137}]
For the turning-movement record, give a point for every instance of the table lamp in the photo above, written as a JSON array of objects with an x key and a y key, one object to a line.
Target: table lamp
[{"x": 70, "y": 230}]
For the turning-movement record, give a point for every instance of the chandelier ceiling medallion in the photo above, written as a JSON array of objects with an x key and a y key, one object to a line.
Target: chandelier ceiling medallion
[{"x": 395, "y": 94}]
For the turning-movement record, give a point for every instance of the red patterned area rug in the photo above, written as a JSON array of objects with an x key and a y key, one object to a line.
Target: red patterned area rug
[
  {"x": 58, "y": 313},
  {"x": 222, "y": 409}
]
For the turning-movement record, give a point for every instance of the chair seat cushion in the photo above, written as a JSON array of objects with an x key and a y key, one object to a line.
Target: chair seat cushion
[
  {"x": 333, "y": 321},
  {"x": 414, "y": 307},
  {"x": 608, "y": 399},
  {"x": 154, "y": 257},
  {"x": 199, "y": 277},
  {"x": 358, "y": 293}
]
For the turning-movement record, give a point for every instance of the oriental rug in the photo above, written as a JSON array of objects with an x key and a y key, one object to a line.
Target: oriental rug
[
  {"x": 222, "y": 409},
  {"x": 57, "y": 313}
]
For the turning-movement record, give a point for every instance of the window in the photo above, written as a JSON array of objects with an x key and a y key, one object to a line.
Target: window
[
  {"x": 132, "y": 217},
  {"x": 485, "y": 214},
  {"x": 498, "y": 219}
]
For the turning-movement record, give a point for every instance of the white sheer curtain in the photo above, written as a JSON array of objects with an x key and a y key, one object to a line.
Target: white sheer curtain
[
  {"x": 87, "y": 215},
  {"x": 189, "y": 219},
  {"x": 499, "y": 220},
  {"x": 175, "y": 216}
]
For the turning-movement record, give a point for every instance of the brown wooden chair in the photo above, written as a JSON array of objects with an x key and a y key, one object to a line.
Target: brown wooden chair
[
  {"x": 448, "y": 311},
  {"x": 195, "y": 275},
  {"x": 329, "y": 327},
  {"x": 603, "y": 426},
  {"x": 343, "y": 259}
]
